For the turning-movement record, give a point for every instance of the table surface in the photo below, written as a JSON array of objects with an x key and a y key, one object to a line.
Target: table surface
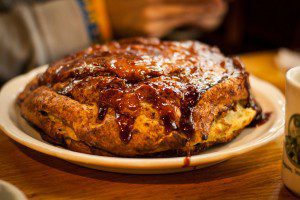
[{"x": 254, "y": 175}]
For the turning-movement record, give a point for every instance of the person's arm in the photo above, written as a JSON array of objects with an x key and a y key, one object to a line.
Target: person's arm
[
  {"x": 159, "y": 17},
  {"x": 35, "y": 34}
]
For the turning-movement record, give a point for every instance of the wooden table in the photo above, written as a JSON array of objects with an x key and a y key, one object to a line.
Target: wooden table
[{"x": 254, "y": 175}]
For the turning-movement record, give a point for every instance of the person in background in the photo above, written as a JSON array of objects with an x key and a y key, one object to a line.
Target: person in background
[{"x": 36, "y": 32}]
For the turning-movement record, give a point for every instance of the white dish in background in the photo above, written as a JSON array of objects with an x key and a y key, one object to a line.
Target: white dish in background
[
  {"x": 10, "y": 192},
  {"x": 270, "y": 98}
]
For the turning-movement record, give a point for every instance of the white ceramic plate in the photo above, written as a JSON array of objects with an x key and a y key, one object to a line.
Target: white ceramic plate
[{"x": 270, "y": 98}]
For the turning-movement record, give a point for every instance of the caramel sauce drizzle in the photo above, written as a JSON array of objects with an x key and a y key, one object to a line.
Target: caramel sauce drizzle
[{"x": 171, "y": 76}]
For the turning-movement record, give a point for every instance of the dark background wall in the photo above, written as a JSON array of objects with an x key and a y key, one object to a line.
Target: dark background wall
[{"x": 253, "y": 25}]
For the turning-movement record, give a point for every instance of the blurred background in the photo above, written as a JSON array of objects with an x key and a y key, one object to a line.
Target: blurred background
[{"x": 36, "y": 32}]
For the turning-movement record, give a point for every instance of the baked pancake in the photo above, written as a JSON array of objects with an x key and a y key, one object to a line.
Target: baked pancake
[{"x": 141, "y": 97}]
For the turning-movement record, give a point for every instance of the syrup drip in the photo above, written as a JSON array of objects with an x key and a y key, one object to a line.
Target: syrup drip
[{"x": 188, "y": 103}]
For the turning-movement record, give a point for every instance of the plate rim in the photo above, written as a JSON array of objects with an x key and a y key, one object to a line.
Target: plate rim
[{"x": 12, "y": 131}]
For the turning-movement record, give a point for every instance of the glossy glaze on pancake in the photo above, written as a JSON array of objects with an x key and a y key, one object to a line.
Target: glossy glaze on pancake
[{"x": 186, "y": 86}]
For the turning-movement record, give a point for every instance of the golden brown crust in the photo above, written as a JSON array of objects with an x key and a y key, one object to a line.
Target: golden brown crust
[{"x": 65, "y": 107}]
